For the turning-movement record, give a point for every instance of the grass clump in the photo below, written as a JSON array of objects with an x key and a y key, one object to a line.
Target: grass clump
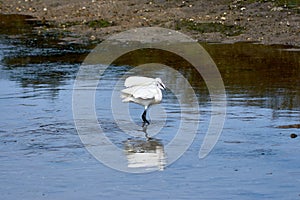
[{"x": 99, "y": 23}]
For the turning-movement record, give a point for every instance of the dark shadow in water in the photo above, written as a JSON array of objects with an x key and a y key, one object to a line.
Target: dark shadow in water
[
  {"x": 258, "y": 75},
  {"x": 18, "y": 24},
  {"x": 35, "y": 58},
  {"x": 269, "y": 74},
  {"x": 253, "y": 74}
]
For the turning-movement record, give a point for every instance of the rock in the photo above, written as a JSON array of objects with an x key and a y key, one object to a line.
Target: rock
[{"x": 293, "y": 135}]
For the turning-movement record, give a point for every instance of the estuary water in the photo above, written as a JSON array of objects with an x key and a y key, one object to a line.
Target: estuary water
[{"x": 43, "y": 157}]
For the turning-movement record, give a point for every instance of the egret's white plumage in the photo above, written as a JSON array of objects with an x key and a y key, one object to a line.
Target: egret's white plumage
[
  {"x": 139, "y": 80},
  {"x": 144, "y": 91}
]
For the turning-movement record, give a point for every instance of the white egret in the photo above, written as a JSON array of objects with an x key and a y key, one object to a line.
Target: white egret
[{"x": 144, "y": 91}]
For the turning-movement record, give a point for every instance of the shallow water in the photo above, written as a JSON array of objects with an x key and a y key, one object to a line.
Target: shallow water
[{"x": 42, "y": 156}]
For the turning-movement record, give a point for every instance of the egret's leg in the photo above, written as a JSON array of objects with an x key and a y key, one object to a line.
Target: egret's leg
[
  {"x": 144, "y": 117},
  {"x": 145, "y": 131}
]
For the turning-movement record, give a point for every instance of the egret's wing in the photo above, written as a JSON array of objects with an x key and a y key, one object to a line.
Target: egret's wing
[
  {"x": 129, "y": 90},
  {"x": 144, "y": 92},
  {"x": 138, "y": 80}
]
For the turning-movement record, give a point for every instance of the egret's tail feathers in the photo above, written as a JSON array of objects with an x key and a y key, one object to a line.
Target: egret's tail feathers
[
  {"x": 126, "y": 97},
  {"x": 126, "y": 100},
  {"x": 128, "y": 91}
]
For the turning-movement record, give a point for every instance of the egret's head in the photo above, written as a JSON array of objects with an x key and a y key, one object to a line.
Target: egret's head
[{"x": 160, "y": 84}]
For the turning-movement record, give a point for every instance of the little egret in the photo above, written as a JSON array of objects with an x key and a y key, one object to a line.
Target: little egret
[{"x": 144, "y": 91}]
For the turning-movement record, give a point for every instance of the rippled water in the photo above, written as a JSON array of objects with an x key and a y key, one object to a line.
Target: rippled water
[{"x": 42, "y": 156}]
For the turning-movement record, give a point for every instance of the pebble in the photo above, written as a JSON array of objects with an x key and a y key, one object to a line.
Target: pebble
[
  {"x": 93, "y": 37},
  {"x": 277, "y": 9},
  {"x": 293, "y": 135}
]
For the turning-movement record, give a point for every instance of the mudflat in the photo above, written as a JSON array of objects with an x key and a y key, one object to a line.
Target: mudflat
[{"x": 227, "y": 21}]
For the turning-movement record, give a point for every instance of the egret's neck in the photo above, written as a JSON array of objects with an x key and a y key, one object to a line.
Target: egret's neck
[{"x": 158, "y": 95}]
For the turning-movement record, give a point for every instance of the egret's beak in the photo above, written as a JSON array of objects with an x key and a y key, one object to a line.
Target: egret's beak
[{"x": 162, "y": 86}]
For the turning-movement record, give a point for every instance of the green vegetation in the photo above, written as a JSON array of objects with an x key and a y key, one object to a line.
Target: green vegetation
[
  {"x": 288, "y": 3},
  {"x": 282, "y": 3},
  {"x": 99, "y": 23}
]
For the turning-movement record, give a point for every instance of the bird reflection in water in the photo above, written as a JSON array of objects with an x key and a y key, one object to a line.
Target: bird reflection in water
[{"x": 145, "y": 153}]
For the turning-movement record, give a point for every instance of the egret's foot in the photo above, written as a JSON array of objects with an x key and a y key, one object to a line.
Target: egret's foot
[
  {"x": 149, "y": 138},
  {"x": 145, "y": 123},
  {"x": 145, "y": 131},
  {"x": 146, "y": 134}
]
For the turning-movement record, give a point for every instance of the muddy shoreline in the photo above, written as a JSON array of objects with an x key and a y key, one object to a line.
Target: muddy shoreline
[{"x": 224, "y": 21}]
